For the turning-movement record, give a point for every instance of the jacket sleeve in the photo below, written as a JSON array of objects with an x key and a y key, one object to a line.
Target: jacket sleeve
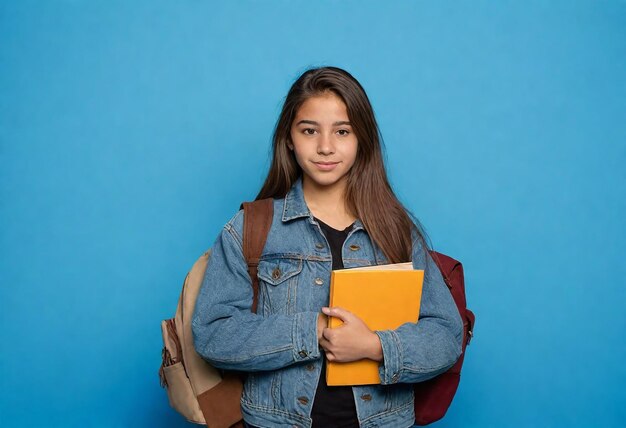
[
  {"x": 227, "y": 334},
  {"x": 416, "y": 352}
]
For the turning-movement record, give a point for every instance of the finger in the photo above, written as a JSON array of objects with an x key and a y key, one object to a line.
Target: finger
[
  {"x": 324, "y": 344},
  {"x": 328, "y": 334},
  {"x": 337, "y": 312}
]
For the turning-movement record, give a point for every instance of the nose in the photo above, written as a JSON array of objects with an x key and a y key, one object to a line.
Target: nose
[{"x": 325, "y": 145}]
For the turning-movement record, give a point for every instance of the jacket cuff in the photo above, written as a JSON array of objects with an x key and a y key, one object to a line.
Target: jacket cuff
[
  {"x": 305, "y": 346},
  {"x": 391, "y": 366}
]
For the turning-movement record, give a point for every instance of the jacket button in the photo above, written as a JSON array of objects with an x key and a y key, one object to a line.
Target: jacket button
[
  {"x": 310, "y": 367},
  {"x": 276, "y": 273},
  {"x": 319, "y": 246},
  {"x": 303, "y": 353},
  {"x": 366, "y": 397},
  {"x": 354, "y": 247},
  {"x": 395, "y": 378},
  {"x": 319, "y": 281},
  {"x": 303, "y": 400}
]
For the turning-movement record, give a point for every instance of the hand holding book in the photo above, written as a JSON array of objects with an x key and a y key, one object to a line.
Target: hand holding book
[{"x": 351, "y": 341}]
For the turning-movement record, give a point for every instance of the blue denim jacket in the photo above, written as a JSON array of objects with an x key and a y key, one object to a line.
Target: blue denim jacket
[{"x": 278, "y": 345}]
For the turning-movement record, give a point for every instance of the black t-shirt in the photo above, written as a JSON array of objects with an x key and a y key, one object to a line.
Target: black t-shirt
[{"x": 334, "y": 406}]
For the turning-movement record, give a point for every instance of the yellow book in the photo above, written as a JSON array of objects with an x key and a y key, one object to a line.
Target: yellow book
[{"x": 384, "y": 297}]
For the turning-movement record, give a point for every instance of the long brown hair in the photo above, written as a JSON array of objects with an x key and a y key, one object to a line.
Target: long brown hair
[{"x": 368, "y": 194}]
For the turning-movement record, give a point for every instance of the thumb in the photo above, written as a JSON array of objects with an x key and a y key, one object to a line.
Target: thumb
[{"x": 337, "y": 312}]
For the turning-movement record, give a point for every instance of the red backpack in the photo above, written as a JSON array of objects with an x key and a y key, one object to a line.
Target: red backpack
[{"x": 434, "y": 396}]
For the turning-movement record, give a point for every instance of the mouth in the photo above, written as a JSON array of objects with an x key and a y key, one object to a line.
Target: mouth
[{"x": 326, "y": 166}]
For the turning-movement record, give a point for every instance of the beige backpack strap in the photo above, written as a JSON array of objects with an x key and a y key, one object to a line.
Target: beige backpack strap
[{"x": 257, "y": 220}]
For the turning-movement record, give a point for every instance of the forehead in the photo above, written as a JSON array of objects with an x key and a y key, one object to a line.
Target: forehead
[{"x": 327, "y": 105}]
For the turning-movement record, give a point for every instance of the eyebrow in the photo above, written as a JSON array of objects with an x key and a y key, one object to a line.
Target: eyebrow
[{"x": 312, "y": 122}]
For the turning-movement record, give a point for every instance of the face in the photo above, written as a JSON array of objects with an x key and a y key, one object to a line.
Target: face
[{"x": 323, "y": 141}]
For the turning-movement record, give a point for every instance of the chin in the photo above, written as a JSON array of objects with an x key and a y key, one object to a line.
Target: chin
[{"x": 325, "y": 181}]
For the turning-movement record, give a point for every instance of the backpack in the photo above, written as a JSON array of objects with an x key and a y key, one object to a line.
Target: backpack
[
  {"x": 434, "y": 396},
  {"x": 205, "y": 395},
  {"x": 198, "y": 391}
]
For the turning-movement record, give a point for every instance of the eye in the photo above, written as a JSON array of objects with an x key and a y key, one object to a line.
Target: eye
[
  {"x": 308, "y": 131},
  {"x": 343, "y": 132}
]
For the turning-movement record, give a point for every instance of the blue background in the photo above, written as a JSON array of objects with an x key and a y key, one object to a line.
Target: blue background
[{"x": 130, "y": 132}]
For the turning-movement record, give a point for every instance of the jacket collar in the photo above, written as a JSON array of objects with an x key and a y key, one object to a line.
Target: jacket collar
[{"x": 295, "y": 206}]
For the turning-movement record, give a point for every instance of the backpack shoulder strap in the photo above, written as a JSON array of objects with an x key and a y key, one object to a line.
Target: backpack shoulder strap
[{"x": 257, "y": 220}]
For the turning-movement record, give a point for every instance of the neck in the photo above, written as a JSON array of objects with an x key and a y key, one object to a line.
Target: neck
[{"x": 328, "y": 203}]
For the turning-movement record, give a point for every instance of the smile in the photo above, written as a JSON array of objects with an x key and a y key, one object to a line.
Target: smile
[{"x": 326, "y": 166}]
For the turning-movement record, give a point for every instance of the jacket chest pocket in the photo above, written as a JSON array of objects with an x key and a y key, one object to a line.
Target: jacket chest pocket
[{"x": 278, "y": 285}]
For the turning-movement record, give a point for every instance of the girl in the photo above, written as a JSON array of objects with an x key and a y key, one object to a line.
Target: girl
[{"x": 333, "y": 209}]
